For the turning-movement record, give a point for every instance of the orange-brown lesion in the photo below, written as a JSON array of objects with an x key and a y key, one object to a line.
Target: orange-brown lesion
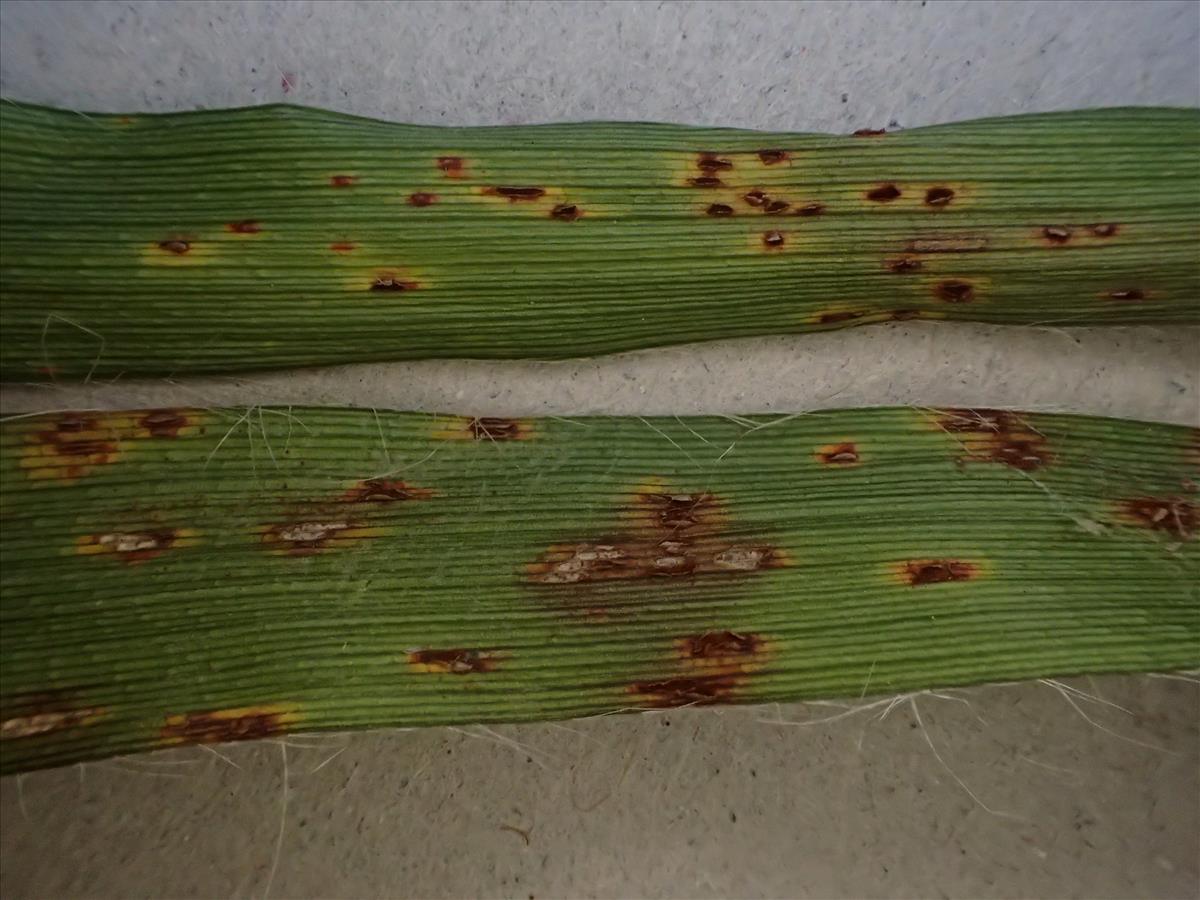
[
  {"x": 996, "y": 436},
  {"x": 223, "y": 725},
  {"x": 30, "y": 715},
  {"x": 136, "y": 546},
  {"x": 453, "y": 661},
  {"x": 385, "y": 490},
  {"x": 311, "y": 537},
  {"x": 483, "y": 428},
  {"x": 70, "y": 446},
  {"x": 844, "y": 454},
  {"x": 1176, "y": 516},
  {"x": 715, "y": 667},
  {"x": 917, "y": 572}
]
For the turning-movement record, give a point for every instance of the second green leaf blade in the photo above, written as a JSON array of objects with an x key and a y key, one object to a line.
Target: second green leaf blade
[{"x": 282, "y": 236}]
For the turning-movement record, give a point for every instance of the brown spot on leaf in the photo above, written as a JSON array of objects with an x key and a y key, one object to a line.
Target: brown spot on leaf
[
  {"x": 1128, "y": 294},
  {"x": 775, "y": 207},
  {"x": 1056, "y": 234},
  {"x": 176, "y": 246},
  {"x": 716, "y": 645},
  {"x": 30, "y": 715},
  {"x": 1104, "y": 230},
  {"x": 1174, "y": 515},
  {"x": 844, "y": 455},
  {"x": 343, "y": 247},
  {"x": 706, "y": 181},
  {"x": 422, "y": 198},
  {"x": 220, "y": 726},
  {"x": 938, "y": 196},
  {"x": 870, "y": 132},
  {"x": 246, "y": 226},
  {"x": 307, "y": 538},
  {"x": 164, "y": 423},
  {"x": 809, "y": 210},
  {"x": 885, "y": 193},
  {"x": 954, "y": 291},
  {"x": 391, "y": 283},
  {"x": 755, "y": 197},
  {"x": 904, "y": 265},
  {"x": 687, "y": 690},
  {"x": 343, "y": 181},
  {"x": 495, "y": 429},
  {"x": 516, "y": 194},
  {"x": 135, "y": 546},
  {"x": 843, "y": 315},
  {"x": 451, "y": 166},
  {"x": 991, "y": 435},
  {"x": 710, "y": 162},
  {"x": 566, "y": 212},
  {"x": 918, "y": 572},
  {"x": 383, "y": 490},
  {"x": 773, "y": 157},
  {"x": 453, "y": 662},
  {"x": 719, "y": 209},
  {"x": 773, "y": 240},
  {"x": 69, "y": 447},
  {"x": 903, "y": 315}
]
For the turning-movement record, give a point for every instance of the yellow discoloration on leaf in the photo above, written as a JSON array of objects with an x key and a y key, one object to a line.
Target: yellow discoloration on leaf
[
  {"x": 485, "y": 429},
  {"x": 47, "y": 722},
  {"x": 136, "y": 546},
  {"x": 222, "y": 725}
]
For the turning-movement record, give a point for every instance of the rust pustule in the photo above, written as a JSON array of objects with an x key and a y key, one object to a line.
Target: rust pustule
[
  {"x": 422, "y": 198},
  {"x": 904, "y": 265},
  {"x": 990, "y": 435},
  {"x": 885, "y": 193},
  {"x": 936, "y": 571},
  {"x": 343, "y": 181},
  {"x": 938, "y": 196},
  {"x": 775, "y": 207},
  {"x": 706, "y": 181},
  {"x": 164, "y": 423},
  {"x": 842, "y": 315},
  {"x": 773, "y": 157},
  {"x": 1104, "y": 230},
  {"x": 343, "y": 247},
  {"x": 954, "y": 291},
  {"x": 710, "y": 162},
  {"x": 490, "y": 428},
  {"x": 686, "y": 690},
  {"x": 1056, "y": 234},
  {"x": 451, "y": 166},
  {"x": 1171, "y": 514},
  {"x": 870, "y": 132},
  {"x": 755, "y": 197},
  {"x": 1129, "y": 294},
  {"x": 773, "y": 240},
  {"x": 844, "y": 454},
  {"x": 566, "y": 212},
  {"x": 719, "y": 209},
  {"x": 453, "y": 662},
  {"x": 223, "y": 725},
  {"x": 176, "y": 246},
  {"x": 808, "y": 210},
  {"x": 391, "y": 283},
  {"x": 716, "y": 645},
  {"x": 516, "y": 194},
  {"x": 383, "y": 490},
  {"x": 246, "y": 226}
]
